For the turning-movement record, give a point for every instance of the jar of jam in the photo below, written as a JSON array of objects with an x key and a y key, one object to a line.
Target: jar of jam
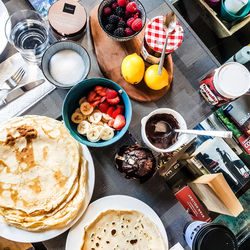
[
  {"x": 155, "y": 37},
  {"x": 225, "y": 84}
]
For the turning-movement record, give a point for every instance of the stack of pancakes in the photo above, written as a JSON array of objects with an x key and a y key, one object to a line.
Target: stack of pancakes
[{"x": 43, "y": 176}]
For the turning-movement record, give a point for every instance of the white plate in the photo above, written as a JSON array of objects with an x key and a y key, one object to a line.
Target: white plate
[
  {"x": 4, "y": 15},
  {"x": 16, "y": 234},
  {"x": 120, "y": 202}
]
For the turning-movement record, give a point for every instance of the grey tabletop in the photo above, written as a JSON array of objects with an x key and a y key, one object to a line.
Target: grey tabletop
[{"x": 192, "y": 61}]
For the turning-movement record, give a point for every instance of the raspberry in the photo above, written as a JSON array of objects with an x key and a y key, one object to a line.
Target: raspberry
[
  {"x": 114, "y": 5},
  {"x": 107, "y": 11},
  {"x": 137, "y": 14},
  {"x": 137, "y": 24},
  {"x": 131, "y": 7},
  {"x": 122, "y": 3},
  {"x": 113, "y": 19},
  {"x": 130, "y": 21},
  {"x": 120, "y": 32},
  {"x": 119, "y": 11},
  {"x": 127, "y": 15},
  {"x": 129, "y": 32}
]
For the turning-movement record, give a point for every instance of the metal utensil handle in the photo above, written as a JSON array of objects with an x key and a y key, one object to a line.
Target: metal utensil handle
[
  {"x": 163, "y": 55},
  {"x": 223, "y": 134}
]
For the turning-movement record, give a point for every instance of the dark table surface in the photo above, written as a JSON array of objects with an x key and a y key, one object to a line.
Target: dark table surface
[{"x": 192, "y": 61}]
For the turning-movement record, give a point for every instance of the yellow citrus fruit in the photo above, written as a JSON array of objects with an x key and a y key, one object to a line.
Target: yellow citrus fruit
[
  {"x": 133, "y": 68},
  {"x": 155, "y": 81}
]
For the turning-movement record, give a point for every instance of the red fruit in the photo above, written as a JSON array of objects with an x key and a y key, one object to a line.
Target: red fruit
[
  {"x": 114, "y": 5},
  {"x": 131, "y": 7},
  {"x": 114, "y": 101},
  {"x": 119, "y": 122},
  {"x": 96, "y": 103},
  {"x": 97, "y": 98},
  {"x": 102, "y": 92},
  {"x": 137, "y": 14},
  {"x": 130, "y": 21},
  {"x": 110, "y": 111},
  {"x": 111, "y": 123},
  {"x": 129, "y": 32},
  {"x": 127, "y": 14},
  {"x": 110, "y": 94},
  {"x": 98, "y": 88},
  {"x": 137, "y": 24},
  {"x": 120, "y": 107},
  {"x": 122, "y": 3},
  {"x": 103, "y": 99},
  {"x": 107, "y": 11},
  {"x": 117, "y": 112},
  {"x": 91, "y": 96},
  {"x": 103, "y": 107}
]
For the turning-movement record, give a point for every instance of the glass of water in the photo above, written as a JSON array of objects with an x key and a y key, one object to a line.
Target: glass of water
[{"x": 28, "y": 32}]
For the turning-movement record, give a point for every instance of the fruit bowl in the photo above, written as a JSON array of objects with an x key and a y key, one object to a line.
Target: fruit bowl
[
  {"x": 125, "y": 32},
  {"x": 71, "y": 103}
]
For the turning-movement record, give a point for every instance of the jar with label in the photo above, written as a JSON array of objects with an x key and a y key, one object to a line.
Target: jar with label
[
  {"x": 225, "y": 84},
  {"x": 155, "y": 37}
]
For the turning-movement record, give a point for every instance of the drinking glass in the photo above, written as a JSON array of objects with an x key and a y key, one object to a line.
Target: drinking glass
[{"x": 28, "y": 32}]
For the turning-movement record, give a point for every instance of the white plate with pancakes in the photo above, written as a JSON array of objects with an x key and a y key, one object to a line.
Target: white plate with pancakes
[
  {"x": 56, "y": 159},
  {"x": 99, "y": 221}
]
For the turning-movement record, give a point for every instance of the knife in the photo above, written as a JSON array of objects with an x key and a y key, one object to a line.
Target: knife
[{"x": 18, "y": 91}]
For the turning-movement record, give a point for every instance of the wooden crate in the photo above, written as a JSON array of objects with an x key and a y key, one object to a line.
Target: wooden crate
[{"x": 214, "y": 21}]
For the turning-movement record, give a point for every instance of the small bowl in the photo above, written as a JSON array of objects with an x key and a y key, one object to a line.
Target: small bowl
[
  {"x": 140, "y": 7},
  {"x": 182, "y": 138},
  {"x": 64, "y": 45},
  {"x": 71, "y": 103}
]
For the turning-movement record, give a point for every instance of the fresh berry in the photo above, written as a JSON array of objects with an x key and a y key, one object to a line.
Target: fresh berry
[
  {"x": 120, "y": 32},
  {"x": 113, "y": 19},
  {"x": 120, "y": 107},
  {"x": 119, "y": 122},
  {"x": 115, "y": 5},
  {"x": 91, "y": 96},
  {"x": 131, "y": 7},
  {"x": 129, "y": 32},
  {"x": 95, "y": 104},
  {"x": 120, "y": 11},
  {"x": 111, "y": 123},
  {"x": 114, "y": 101},
  {"x": 130, "y": 21},
  {"x": 102, "y": 92},
  {"x": 110, "y": 94},
  {"x": 98, "y": 88},
  {"x": 117, "y": 112},
  {"x": 137, "y": 24},
  {"x": 110, "y": 27},
  {"x": 122, "y": 3},
  {"x": 136, "y": 14},
  {"x": 103, "y": 107},
  {"x": 110, "y": 111},
  {"x": 127, "y": 15},
  {"x": 121, "y": 24},
  {"x": 103, "y": 99},
  {"x": 97, "y": 98},
  {"x": 107, "y": 11}
]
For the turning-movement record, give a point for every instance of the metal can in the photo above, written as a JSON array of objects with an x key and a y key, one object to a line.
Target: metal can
[{"x": 225, "y": 84}]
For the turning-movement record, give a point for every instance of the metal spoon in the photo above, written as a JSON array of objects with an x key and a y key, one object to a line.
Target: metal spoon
[{"x": 223, "y": 134}]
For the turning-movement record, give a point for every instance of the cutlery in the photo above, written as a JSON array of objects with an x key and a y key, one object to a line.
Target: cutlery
[
  {"x": 18, "y": 91},
  {"x": 15, "y": 79}
]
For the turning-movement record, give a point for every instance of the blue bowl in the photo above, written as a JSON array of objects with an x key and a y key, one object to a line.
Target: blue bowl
[{"x": 71, "y": 103}]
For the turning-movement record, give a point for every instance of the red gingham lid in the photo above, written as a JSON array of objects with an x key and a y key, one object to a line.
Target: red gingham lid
[{"x": 155, "y": 35}]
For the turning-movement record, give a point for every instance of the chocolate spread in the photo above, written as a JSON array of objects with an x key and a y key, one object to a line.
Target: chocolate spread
[{"x": 160, "y": 130}]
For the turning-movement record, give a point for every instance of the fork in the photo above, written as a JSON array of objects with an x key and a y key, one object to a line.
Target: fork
[{"x": 15, "y": 79}]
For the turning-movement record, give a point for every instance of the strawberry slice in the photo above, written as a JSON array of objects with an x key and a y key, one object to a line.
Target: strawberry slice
[
  {"x": 117, "y": 112},
  {"x": 103, "y": 107},
  {"x": 95, "y": 103},
  {"x": 111, "y": 123},
  {"x": 97, "y": 98},
  {"x": 113, "y": 101},
  {"x": 121, "y": 107},
  {"x": 110, "y": 93},
  {"x": 98, "y": 88},
  {"x": 102, "y": 92},
  {"x": 91, "y": 96},
  {"x": 110, "y": 111},
  {"x": 119, "y": 122},
  {"x": 103, "y": 99}
]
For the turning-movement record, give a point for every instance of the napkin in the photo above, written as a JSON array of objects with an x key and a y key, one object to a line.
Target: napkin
[{"x": 28, "y": 99}]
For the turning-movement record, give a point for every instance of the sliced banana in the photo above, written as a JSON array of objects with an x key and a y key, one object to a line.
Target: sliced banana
[
  {"x": 86, "y": 108},
  {"x": 106, "y": 117},
  {"x": 83, "y": 127},
  {"x": 82, "y": 100},
  {"x": 77, "y": 117},
  {"x": 107, "y": 133},
  {"x": 93, "y": 134},
  {"x": 100, "y": 123},
  {"x": 95, "y": 117},
  {"x": 78, "y": 110}
]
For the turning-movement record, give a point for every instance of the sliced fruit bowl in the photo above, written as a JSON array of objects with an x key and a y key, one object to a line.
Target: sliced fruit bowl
[
  {"x": 121, "y": 19},
  {"x": 97, "y": 104}
]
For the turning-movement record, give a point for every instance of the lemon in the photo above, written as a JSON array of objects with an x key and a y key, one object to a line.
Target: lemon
[
  {"x": 155, "y": 81},
  {"x": 133, "y": 68}
]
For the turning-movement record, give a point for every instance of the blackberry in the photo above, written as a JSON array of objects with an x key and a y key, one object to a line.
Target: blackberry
[
  {"x": 110, "y": 27},
  {"x": 120, "y": 11},
  {"x": 113, "y": 19},
  {"x": 121, "y": 24},
  {"x": 119, "y": 32}
]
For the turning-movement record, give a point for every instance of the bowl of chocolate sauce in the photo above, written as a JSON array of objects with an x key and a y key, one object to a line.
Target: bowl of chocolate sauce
[{"x": 158, "y": 133}]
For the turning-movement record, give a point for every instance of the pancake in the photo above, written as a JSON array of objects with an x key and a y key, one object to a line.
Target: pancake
[
  {"x": 42, "y": 173},
  {"x": 126, "y": 230}
]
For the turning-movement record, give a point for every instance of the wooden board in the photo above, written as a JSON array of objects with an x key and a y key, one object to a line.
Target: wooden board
[
  {"x": 11, "y": 245},
  {"x": 110, "y": 53}
]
